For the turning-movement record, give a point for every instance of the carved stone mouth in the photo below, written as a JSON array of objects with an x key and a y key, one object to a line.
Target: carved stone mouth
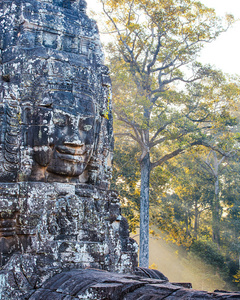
[
  {"x": 72, "y": 158},
  {"x": 73, "y": 151}
]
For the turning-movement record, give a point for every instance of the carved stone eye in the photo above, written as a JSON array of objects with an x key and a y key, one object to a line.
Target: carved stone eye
[{"x": 87, "y": 127}]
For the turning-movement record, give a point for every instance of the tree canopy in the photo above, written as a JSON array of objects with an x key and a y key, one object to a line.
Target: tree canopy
[{"x": 165, "y": 100}]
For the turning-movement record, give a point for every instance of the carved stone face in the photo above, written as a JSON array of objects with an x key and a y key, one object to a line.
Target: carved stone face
[
  {"x": 71, "y": 139},
  {"x": 73, "y": 145},
  {"x": 52, "y": 115}
]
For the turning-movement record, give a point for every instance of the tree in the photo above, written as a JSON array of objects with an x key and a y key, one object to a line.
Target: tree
[
  {"x": 193, "y": 188},
  {"x": 197, "y": 186},
  {"x": 231, "y": 219},
  {"x": 125, "y": 179},
  {"x": 155, "y": 47},
  {"x": 212, "y": 165}
]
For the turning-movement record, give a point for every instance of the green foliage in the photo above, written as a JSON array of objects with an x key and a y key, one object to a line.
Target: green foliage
[
  {"x": 237, "y": 278},
  {"x": 126, "y": 173},
  {"x": 213, "y": 256},
  {"x": 126, "y": 180},
  {"x": 209, "y": 252},
  {"x": 162, "y": 110},
  {"x": 183, "y": 211}
]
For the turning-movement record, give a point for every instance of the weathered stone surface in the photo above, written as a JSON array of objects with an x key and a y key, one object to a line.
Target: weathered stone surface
[
  {"x": 96, "y": 284},
  {"x": 69, "y": 223},
  {"x": 56, "y": 144},
  {"x": 150, "y": 273},
  {"x": 63, "y": 226}
]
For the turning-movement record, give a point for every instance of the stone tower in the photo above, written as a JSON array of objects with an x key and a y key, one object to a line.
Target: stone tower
[{"x": 56, "y": 210}]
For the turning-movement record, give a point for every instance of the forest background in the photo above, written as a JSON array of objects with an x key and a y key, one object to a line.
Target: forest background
[{"x": 194, "y": 196}]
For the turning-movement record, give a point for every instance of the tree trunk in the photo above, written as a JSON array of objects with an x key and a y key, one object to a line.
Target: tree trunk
[
  {"x": 144, "y": 212},
  {"x": 215, "y": 203},
  {"x": 187, "y": 222},
  {"x": 216, "y": 214},
  {"x": 196, "y": 214},
  {"x": 216, "y": 224}
]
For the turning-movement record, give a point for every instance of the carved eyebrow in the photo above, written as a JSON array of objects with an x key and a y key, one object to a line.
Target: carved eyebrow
[
  {"x": 46, "y": 102},
  {"x": 45, "y": 105},
  {"x": 63, "y": 113},
  {"x": 87, "y": 117}
]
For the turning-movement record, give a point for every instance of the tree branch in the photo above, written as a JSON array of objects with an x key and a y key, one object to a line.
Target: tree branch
[
  {"x": 157, "y": 133},
  {"x": 155, "y": 54},
  {"x": 166, "y": 158},
  {"x": 180, "y": 150},
  {"x": 135, "y": 128},
  {"x": 127, "y": 134}
]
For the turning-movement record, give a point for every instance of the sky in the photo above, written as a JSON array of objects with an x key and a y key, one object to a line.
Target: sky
[{"x": 225, "y": 51}]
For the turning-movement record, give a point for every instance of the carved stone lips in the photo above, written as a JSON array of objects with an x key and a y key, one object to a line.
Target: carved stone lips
[
  {"x": 74, "y": 154},
  {"x": 71, "y": 150},
  {"x": 72, "y": 158}
]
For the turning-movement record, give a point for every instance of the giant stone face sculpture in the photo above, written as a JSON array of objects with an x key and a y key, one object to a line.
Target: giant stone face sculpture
[
  {"x": 53, "y": 82},
  {"x": 56, "y": 209}
]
